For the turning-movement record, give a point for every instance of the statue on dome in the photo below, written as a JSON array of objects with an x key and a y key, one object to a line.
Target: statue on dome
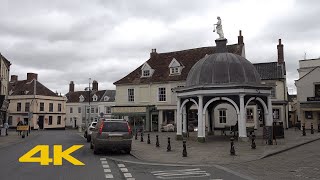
[{"x": 218, "y": 27}]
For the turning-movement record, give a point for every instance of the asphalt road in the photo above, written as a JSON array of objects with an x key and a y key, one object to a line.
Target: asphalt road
[{"x": 104, "y": 166}]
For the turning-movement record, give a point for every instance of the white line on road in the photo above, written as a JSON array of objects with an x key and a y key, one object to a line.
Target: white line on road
[
  {"x": 121, "y": 165},
  {"x": 105, "y": 166},
  {"x": 180, "y": 173},
  {"x": 131, "y": 179},
  {"x": 180, "y": 170},
  {"x": 107, "y": 170},
  {"x": 127, "y": 175},
  {"x": 103, "y": 159},
  {"x": 124, "y": 169},
  {"x": 104, "y": 162},
  {"x": 109, "y": 176}
]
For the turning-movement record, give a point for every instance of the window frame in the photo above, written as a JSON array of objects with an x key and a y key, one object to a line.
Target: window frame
[
  {"x": 274, "y": 116},
  {"x": 146, "y": 73},
  {"x": 223, "y": 116},
  {"x": 59, "y": 107},
  {"x": 59, "y": 120},
  {"x": 27, "y": 107},
  {"x": 50, "y": 107},
  {"x": 250, "y": 117},
  {"x": 71, "y": 110},
  {"x": 130, "y": 94},
  {"x": 50, "y": 120},
  {"x": 19, "y": 107},
  {"x": 41, "y": 106},
  {"x": 79, "y": 109},
  {"x": 162, "y": 94}
]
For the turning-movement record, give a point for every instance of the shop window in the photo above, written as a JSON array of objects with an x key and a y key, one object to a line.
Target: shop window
[
  {"x": 249, "y": 115},
  {"x": 308, "y": 114},
  {"x": 222, "y": 116},
  {"x": 317, "y": 90},
  {"x": 59, "y": 120},
  {"x": 276, "y": 114}
]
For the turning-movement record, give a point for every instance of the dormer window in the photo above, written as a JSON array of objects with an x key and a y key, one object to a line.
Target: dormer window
[
  {"x": 146, "y": 70},
  {"x": 94, "y": 98},
  {"x": 106, "y": 98},
  {"x": 81, "y": 98},
  {"x": 175, "y": 67}
]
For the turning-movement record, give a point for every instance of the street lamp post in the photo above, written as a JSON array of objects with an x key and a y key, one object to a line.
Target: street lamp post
[{"x": 89, "y": 91}]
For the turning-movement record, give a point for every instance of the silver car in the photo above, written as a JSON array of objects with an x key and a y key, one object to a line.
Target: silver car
[
  {"x": 88, "y": 131},
  {"x": 111, "y": 134}
]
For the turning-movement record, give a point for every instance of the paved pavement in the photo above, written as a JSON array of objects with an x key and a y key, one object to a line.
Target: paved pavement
[
  {"x": 14, "y": 138},
  {"x": 216, "y": 150},
  {"x": 296, "y": 164}
]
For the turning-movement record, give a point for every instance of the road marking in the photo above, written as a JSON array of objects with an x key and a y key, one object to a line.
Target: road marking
[
  {"x": 104, "y": 162},
  {"x": 107, "y": 170},
  {"x": 124, "y": 169},
  {"x": 180, "y": 173},
  {"x": 105, "y": 166},
  {"x": 131, "y": 179},
  {"x": 109, "y": 176},
  {"x": 121, "y": 165},
  {"x": 127, "y": 175},
  {"x": 103, "y": 159}
]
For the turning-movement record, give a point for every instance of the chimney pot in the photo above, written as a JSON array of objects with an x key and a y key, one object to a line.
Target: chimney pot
[
  {"x": 14, "y": 78},
  {"x": 32, "y": 76},
  {"x": 71, "y": 86},
  {"x": 153, "y": 53}
]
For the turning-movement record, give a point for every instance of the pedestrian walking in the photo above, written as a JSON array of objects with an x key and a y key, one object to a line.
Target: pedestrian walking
[{"x": 6, "y": 126}]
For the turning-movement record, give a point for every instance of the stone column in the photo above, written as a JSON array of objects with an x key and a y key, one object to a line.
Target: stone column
[
  {"x": 184, "y": 119},
  {"x": 179, "y": 120},
  {"x": 160, "y": 120},
  {"x": 201, "y": 127},
  {"x": 270, "y": 117},
  {"x": 242, "y": 119}
]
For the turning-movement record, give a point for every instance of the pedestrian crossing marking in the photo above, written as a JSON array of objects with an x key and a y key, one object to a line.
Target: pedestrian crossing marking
[
  {"x": 124, "y": 169},
  {"x": 104, "y": 162},
  {"x": 105, "y": 166},
  {"x": 107, "y": 170},
  {"x": 103, "y": 159},
  {"x": 127, "y": 175},
  {"x": 109, "y": 176},
  {"x": 181, "y": 173},
  {"x": 121, "y": 165}
]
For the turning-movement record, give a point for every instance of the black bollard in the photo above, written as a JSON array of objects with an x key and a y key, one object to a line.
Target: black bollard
[
  {"x": 312, "y": 130},
  {"x": 148, "y": 139},
  {"x": 319, "y": 127},
  {"x": 303, "y": 130},
  {"x": 184, "y": 152},
  {"x": 136, "y": 135},
  {"x": 253, "y": 144},
  {"x": 157, "y": 141},
  {"x": 232, "y": 150},
  {"x": 141, "y": 140},
  {"x": 169, "y": 145}
]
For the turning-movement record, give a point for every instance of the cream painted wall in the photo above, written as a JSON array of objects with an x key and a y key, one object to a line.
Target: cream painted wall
[
  {"x": 146, "y": 94},
  {"x": 35, "y": 109},
  {"x": 4, "y": 74},
  {"x": 305, "y": 86}
]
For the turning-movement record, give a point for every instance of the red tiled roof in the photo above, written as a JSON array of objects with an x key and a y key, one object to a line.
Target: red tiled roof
[
  {"x": 26, "y": 87},
  {"x": 160, "y": 63}
]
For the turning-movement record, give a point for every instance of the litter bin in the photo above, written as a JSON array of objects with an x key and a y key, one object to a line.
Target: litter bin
[{"x": 278, "y": 129}]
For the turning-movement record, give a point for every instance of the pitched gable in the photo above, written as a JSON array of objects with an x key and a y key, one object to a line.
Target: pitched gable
[{"x": 160, "y": 63}]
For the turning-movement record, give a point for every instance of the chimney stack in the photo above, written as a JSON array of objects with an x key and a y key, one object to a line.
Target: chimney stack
[
  {"x": 240, "y": 38},
  {"x": 14, "y": 78},
  {"x": 221, "y": 45},
  {"x": 71, "y": 86},
  {"x": 32, "y": 76},
  {"x": 280, "y": 52},
  {"x": 153, "y": 53},
  {"x": 95, "y": 85}
]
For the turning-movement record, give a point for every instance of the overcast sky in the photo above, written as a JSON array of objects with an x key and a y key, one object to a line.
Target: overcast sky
[{"x": 74, "y": 40}]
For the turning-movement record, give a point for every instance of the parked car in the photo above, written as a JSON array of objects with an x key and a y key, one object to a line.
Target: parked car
[
  {"x": 111, "y": 134},
  {"x": 168, "y": 128},
  {"x": 88, "y": 131}
]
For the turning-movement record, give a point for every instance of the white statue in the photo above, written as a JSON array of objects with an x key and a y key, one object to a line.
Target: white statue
[{"x": 218, "y": 27}]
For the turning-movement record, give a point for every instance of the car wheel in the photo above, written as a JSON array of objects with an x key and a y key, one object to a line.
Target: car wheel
[
  {"x": 88, "y": 138},
  {"x": 128, "y": 149},
  {"x": 95, "y": 150}
]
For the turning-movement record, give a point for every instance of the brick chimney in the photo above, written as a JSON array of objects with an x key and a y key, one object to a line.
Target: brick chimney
[
  {"x": 32, "y": 76},
  {"x": 280, "y": 52},
  {"x": 95, "y": 85},
  {"x": 71, "y": 86},
  {"x": 153, "y": 53},
  {"x": 240, "y": 38},
  {"x": 14, "y": 78}
]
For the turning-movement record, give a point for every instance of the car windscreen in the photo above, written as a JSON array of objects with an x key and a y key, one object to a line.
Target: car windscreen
[{"x": 115, "y": 127}]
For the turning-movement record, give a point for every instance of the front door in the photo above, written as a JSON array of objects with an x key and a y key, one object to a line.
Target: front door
[
  {"x": 155, "y": 122},
  {"x": 75, "y": 123},
  {"x": 40, "y": 122}
]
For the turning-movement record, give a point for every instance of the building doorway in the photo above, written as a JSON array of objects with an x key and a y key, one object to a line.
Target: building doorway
[
  {"x": 40, "y": 122},
  {"x": 155, "y": 122},
  {"x": 75, "y": 122}
]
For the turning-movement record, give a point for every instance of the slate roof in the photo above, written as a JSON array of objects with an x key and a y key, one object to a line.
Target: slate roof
[
  {"x": 270, "y": 70},
  {"x": 160, "y": 63},
  {"x": 26, "y": 87},
  {"x": 73, "y": 97}
]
